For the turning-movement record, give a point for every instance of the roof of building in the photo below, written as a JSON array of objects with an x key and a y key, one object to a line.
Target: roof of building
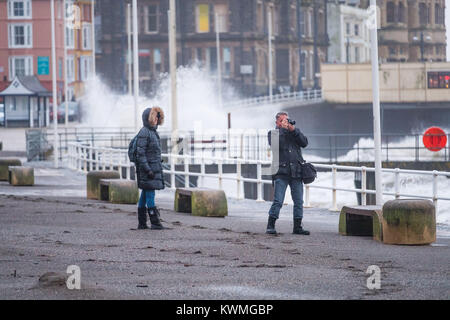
[{"x": 26, "y": 86}]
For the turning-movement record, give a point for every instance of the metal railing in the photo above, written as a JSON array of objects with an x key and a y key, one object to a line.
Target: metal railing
[
  {"x": 86, "y": 158},
  {"x": 300, "y": 96}
]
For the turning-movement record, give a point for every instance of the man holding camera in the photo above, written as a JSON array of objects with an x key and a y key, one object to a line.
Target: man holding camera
[{"x": 289, "y": 172}]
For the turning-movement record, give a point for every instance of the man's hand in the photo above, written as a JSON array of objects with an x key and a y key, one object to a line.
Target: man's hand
[
  {"x": 151, "y": 175},
  {"x": 291, "y": 127}
]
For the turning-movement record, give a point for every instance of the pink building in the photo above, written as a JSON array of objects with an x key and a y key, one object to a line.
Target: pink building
[{"x": 25, "y": 50}]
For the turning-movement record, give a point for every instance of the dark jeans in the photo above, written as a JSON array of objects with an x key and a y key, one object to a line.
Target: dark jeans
[
  {"x": 147, "y": 198},
  {"x": 280, "y": 191}
]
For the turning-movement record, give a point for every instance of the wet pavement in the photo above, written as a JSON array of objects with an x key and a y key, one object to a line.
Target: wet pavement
[{"x": 49, "y": 226}]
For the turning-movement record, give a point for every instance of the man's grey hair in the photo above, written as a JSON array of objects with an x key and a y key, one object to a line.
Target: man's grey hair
[{"x": 281, "y": 113}]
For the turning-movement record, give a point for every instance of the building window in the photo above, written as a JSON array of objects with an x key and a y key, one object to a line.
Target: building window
[
  {"x": 356, "y": 29},
  {"x": 70, "y": 69},
  {"x": 438, "y": 17},
  {"x": 303, "y": 65},
  {"x": 20, "y": 66},
  {"x": 19, "y": 9},
  {"x": 202, "y": 18},
  {"x": 152, "y": 18},
  {"x": 401, "y": 13},
  {"x": 87, "y": 40},
  {"x": 87, "y": 12},
  {"x": 226, "y": 62},
  {"x": 392, "y": 51},
  {"x": 422, "y": 13},
  {"x": 259, "y": 17},
  {"x": 85, "y": 67},
  {"x": 390, "y": 12},
  {"x": 439, "y": 80},
  {"x": 212, "y": 59},
  {"x": 357, "y": 59},
  {"x": 221, "y": 10},
  {"x": 20, "y": 35},
  {"x": 157, "y": 60},
  {"x": 70, "y": 38},
  {"x": 347, "y": 28}
]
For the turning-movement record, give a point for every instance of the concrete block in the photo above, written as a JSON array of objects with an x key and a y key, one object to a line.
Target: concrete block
[
  {"x": 20, "y": 176},
  {"x": 201, "y": 202},
  {"x": 4, "y": 164},
  {"x": 118, "y": 191},
  {"x": 361, "y": 221},
  {"x": 409, "y": 221},
  {"x": 93, "y": 179}
]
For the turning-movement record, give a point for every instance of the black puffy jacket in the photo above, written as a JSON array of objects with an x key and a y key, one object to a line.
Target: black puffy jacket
[
  {"x": 290, "y": 155},
  {"x": 149, "y": 156}
]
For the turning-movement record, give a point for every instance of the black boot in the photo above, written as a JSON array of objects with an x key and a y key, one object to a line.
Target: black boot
[
  {"x": 271, "y": 226},
  {"x": 142, "y": 219},
  {"x": 298, "y": 229},
  {"x": 153, "y": 213}
]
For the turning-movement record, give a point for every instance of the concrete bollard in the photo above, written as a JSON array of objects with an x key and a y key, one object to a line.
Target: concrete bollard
[
  {"x": 118, "y": 191},
  {"x": 4, "y": 164},
  {"x": 409, "y": 221},
  {"x": 21, "y": 176},
  {"x": 93, "y": 179},
  {"x": 201, "y": 202}
]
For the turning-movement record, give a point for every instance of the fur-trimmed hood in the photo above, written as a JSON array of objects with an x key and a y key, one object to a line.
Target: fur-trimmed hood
[{"x": 149, "y": 117}]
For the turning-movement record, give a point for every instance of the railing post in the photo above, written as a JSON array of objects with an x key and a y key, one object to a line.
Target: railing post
[
  {"x": 186, "y": 170},
  {"x": 220, "y": 169},
  {"x": 397, "y": 183},
  {"x": 435, "y": 188},
  {"x": 307, "y": 204},
  {"x": 203, "y": 172},
  {"x": 363, "y": 185},
  {"x": 238, "y": 180},
  {"x": 85, "y": 159},
  {"x": 172, "y": 172},
  {"x": 334, "y": 173},
  {"x": 260, "y": 197}
]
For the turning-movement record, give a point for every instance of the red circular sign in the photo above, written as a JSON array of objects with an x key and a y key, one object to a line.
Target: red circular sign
[{"x": 434, "y": 139}]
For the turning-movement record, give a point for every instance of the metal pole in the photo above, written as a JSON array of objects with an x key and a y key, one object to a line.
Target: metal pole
[
  {"x": 129, "y": 56},
  {"x": 54, "y": 97},
  {"x": 173, "y": 73},
  {"x": 376, "y": 106},
  {"x": 269, "y": 21},
  {"x": 219, "y": 67},
  {"x": 93, "y": 36},
  {"x": 66, "y": 89},
  {"x": 135, "y": 63}
]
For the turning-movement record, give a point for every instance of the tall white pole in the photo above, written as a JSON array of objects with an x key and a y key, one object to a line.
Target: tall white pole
[
  {"x": 269, "y": 22},
  {"x": 135, "y": 63},
  {"x": 173, "y": 73},
  {"x": 66, "y": 87},
  {"x": 129, "y": 56},
  {"x": 219, "y": 65},
  {"x": 376, "y": 105},
  {"x": 93, "y": 36},
  {"x": 55, "y": 101}
]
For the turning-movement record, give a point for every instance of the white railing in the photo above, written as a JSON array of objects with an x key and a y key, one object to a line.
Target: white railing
[
  {"x": 300, "y": 96},
  {"x": 84, "y": 158}
]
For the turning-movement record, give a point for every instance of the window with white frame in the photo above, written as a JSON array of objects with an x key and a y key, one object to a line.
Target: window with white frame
[
  {"x": 70, "y": 69},
  {"x": 20, "y": 66},
  {"x": 20, "y": 35},
  {"x": 19, "y": 9},
  {"x": 87, "y": 39},
  {"x": 70, "y": 36},
  {"x": 152, "y": 20},
  {"x": 85, "y": 67}
]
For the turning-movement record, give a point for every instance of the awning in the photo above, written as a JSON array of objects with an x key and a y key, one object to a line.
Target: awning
[{"x": 26, "y": 86}]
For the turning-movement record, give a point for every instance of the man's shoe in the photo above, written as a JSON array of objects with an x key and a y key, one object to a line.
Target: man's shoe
[
  {"x": 271, "y": 226},
  {"x": 298, "y": 229},
  {"x": 142, "y": 219},
  {"x": 153, "y": 213}
]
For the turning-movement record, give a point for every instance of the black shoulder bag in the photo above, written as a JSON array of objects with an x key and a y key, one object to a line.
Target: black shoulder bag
[{"x": 309, "y": 172}]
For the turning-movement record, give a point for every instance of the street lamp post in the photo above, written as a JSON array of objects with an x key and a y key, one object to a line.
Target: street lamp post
[
  {"x": 54, "y": 95},
  {"x": 422, "y": 44},
  {"x": 135, "y": 63}
]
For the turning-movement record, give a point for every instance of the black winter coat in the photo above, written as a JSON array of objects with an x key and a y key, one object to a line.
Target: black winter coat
[
  {"x": 149, "y": 156},
  {"x": 290, "y": 156}
]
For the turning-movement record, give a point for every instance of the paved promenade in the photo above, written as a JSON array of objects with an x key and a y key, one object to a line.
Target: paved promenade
[{"x": 47, "y": 227}]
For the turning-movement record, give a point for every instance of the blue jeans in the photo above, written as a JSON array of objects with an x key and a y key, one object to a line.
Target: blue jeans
[
  {"x": 147, "y": 198},
  {"x": 280, "y": 191}
]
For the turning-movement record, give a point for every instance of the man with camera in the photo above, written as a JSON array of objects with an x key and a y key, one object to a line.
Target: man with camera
[{"x": 289, "y": 172}]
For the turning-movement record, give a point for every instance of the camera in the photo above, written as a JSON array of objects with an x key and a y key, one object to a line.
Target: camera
[
  {"x": 158, "y": 115},
  {"x": 291, "y": 122}
]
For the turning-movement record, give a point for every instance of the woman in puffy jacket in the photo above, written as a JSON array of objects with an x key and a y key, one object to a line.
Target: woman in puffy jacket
[{"x": 148, "y": 167}]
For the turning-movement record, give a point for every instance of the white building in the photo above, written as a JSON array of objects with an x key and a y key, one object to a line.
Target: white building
[{"x": 348, "y": 32}]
